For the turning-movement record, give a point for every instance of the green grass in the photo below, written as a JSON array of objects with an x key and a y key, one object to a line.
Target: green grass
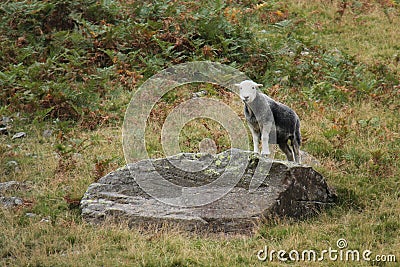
[{"x": 72, "y": 66}]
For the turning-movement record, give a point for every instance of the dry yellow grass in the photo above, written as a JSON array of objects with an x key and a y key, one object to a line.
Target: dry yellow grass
[{"x": 365, "y": 29}]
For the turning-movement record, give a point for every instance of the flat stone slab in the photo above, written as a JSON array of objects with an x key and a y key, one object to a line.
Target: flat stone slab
[{"x": 227, "y": 192}]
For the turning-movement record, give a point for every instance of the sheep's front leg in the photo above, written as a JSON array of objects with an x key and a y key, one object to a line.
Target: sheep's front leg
[
  {"x": 256, "y": 138},
  {"x": 266, "y": 129}
]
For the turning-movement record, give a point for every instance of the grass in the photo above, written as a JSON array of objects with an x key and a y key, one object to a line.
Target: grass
[
  {"x": 70, "y": 69},
  {"x": 362, "y": 26}
]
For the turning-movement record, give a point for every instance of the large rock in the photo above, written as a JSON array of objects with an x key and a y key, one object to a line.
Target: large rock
[{"x": 248, "y": 187}]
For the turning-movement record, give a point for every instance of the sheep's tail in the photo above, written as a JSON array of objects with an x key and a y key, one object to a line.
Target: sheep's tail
[{"x": 297, "y": 133}]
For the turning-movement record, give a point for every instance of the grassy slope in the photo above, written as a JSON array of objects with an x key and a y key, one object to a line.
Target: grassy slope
[
  {"x": 366, "y": 31},
  {"x": 356, "y": 137}
]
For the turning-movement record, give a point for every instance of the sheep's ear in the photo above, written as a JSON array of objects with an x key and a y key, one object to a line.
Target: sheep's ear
[
  {"x": 259, "y": 85},
  {"x": 236, "y": 85}
]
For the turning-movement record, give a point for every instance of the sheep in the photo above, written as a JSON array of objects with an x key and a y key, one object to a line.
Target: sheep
[{"x": 270, "y": 121}]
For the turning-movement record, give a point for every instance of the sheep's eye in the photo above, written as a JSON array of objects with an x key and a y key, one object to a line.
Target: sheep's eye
[{"x": 253, "y": 88}]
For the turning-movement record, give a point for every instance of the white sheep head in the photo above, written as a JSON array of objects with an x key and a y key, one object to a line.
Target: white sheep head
[{"x": 248, "y": 90}]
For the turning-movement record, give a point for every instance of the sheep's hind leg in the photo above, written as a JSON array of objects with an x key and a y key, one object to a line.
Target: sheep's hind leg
[
  {"x": 296, "y": 150},
  {"x": 287, "y": 150}
]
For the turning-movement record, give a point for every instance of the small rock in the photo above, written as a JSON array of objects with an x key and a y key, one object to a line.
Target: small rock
[
  {"x": 3, "y": 130},
  {"x": 199, "y": 94},
  {"x": 32, "y": 155},
  {"x": 308, "y": 159},
  {"x": 45, "y": 220},
  {"x": 13, "y": 163},
  {"x": 30, "y": 215},
  {"x": 9, "y": 186},
  {"x": 47, "y": 133},
  {"x": 10, "y": 202},
  {"x": 19, "y": 135},
  {"x": 6, "y": 120}
]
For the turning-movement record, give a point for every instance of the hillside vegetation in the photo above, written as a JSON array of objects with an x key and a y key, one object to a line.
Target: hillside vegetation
[{"x": 69, "y": 68}]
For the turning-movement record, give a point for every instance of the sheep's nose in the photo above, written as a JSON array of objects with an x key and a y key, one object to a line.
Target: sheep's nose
[{"x": 246, "y": 98}]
